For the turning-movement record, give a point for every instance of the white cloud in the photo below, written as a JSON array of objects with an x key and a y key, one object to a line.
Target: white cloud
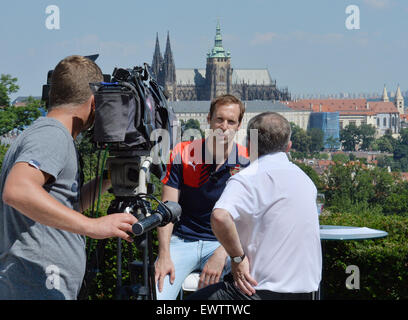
[
  {"x": 315, "y": 38},
  {"x": 378, "y": 4},
  {"x": 263, "y": 38}
]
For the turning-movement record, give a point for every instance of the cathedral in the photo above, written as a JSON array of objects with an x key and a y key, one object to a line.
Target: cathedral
[{"x": 217, "y": 78}]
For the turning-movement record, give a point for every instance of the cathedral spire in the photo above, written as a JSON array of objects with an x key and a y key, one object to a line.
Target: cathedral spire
[
  {"x": 157, "y": 58},
  {"x": 218, "y": 51},
  {"x": 169, "y": 66},
  {"x": 168, "y": 47},
  {"x": 398, "y": 95},
  {"x": 385, "y": 95},
  {"x": 399, "y": 101},
  {"x": 218, "y": 37}
]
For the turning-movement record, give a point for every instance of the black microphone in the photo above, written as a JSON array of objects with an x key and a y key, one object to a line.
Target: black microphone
[{"x": 167, "y": 212}]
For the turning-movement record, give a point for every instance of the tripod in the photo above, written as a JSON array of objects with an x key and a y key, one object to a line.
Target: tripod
[{"x": 142, "y": 273}]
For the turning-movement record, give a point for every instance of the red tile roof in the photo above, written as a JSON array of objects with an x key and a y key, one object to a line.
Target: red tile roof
[
  {"x": 404, "y": 117},
  {"x": 344, "y": 106}
]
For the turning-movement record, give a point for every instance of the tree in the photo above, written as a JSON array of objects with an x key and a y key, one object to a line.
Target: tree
[
  {"x": 350, "y": 137},
  {"x": 367, "y": 133},
  {"x": 340, "y": 157},
  {"x": 15, "y": 117},
  {"x": 191, "y": 124},
  {"x": 19, "y": 117},
  {"x": 7, "y": 120},
  {"x": 8, "y": 85},
  {"x": 385, "y": 144},
  {"x": 404, "y": 136},
  {"x": 301, "y": 141},
  {"x": 316, "y": 139},
  {"x": 401, "y": 151}
]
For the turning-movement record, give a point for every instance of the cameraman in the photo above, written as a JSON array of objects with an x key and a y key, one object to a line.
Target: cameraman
[
  {"x": 42, "y": 243},
  {"x": 196, "y": 177}
]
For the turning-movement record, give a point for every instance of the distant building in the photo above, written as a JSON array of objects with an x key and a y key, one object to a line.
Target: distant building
[
  {"x": 328, "y": 122},
  {"x": 384, "y": 115},
  {"x": 217, "y": 78}
]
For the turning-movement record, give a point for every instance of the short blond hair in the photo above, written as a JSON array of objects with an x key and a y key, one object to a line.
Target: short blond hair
[
  {"x": 70, "y": 81},
  {"x": 224, "y": 100}
]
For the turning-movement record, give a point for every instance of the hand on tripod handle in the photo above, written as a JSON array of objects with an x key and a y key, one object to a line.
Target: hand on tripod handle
[{"x": 112, "y": 225}]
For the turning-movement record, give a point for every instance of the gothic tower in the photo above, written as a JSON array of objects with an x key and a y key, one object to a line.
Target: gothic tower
[
  {"x": 157, "y": 62},
  {"x": 385, "y": 95},
  {"x": 218, "y": 72},
  {"x": 399, "y": 101},
  {"x": 169, "y": 71}
]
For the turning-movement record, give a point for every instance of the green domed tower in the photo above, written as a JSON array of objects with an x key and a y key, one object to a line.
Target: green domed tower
[{"x": 218, "y": 70}]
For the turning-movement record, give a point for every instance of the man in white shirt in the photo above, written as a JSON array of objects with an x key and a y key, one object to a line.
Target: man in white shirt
[{"x": 267, "y": 221}]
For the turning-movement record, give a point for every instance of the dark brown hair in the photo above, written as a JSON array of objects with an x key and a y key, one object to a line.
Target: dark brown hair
[{"x": 70, "y": 81}]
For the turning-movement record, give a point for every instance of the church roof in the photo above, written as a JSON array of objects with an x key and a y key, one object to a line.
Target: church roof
[
  {"x": 190, "y": 76},
  {"x": 239, "y": 76},
  {"x": 250, "y": 106},
  {"x": 251, "y": 76}
]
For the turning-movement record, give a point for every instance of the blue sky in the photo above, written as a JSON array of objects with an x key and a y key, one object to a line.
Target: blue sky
[{"x": 304, "y": 44}]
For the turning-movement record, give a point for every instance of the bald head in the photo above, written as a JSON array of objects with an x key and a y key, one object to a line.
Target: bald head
[{"x": 273, "y": 132}]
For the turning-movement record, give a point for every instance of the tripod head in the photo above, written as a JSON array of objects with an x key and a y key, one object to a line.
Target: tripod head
[{"x": 130, "y": 177}]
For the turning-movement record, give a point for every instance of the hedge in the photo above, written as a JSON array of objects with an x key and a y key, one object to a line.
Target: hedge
[{"x": 382, "y": 263}]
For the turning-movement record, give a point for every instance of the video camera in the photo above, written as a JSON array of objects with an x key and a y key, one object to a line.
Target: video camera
[{"x": 133, "y": 119}]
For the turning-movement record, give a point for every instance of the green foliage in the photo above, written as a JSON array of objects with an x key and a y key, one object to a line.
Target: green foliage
[
  {"x": 191, "y": 124},
  {"x": 353, "y": 137},
  {"x": 301, "y": 141},
  {"x": 316, "y": 139},
  {"x": 385, "y": 143},
  {"x": 382, "y": 262},
  {"x": 15, "y": 117},
  {"x": 367, "y": 133},
  {"x": 19, "y": 117},
  {"x": 310, "y": 141},
  {"x": 8, "y": 85},
  {"x": 340, "y": 157},
  {"x": 350, "y": 137},
  {"x": 351, "y": 185}
]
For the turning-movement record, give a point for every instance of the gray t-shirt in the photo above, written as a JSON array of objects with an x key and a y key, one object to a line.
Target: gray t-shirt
[{"x": 37, "y": 261}]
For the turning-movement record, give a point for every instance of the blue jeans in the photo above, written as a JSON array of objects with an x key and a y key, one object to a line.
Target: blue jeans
[{"x": 187, "y": 256}]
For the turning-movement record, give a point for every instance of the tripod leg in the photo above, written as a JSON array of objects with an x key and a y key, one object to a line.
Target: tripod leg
[{"x": 152, "y": 284}]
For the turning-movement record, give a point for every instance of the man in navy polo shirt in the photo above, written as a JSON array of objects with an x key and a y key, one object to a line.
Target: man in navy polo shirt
[{"x": 196, "y": 177}]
